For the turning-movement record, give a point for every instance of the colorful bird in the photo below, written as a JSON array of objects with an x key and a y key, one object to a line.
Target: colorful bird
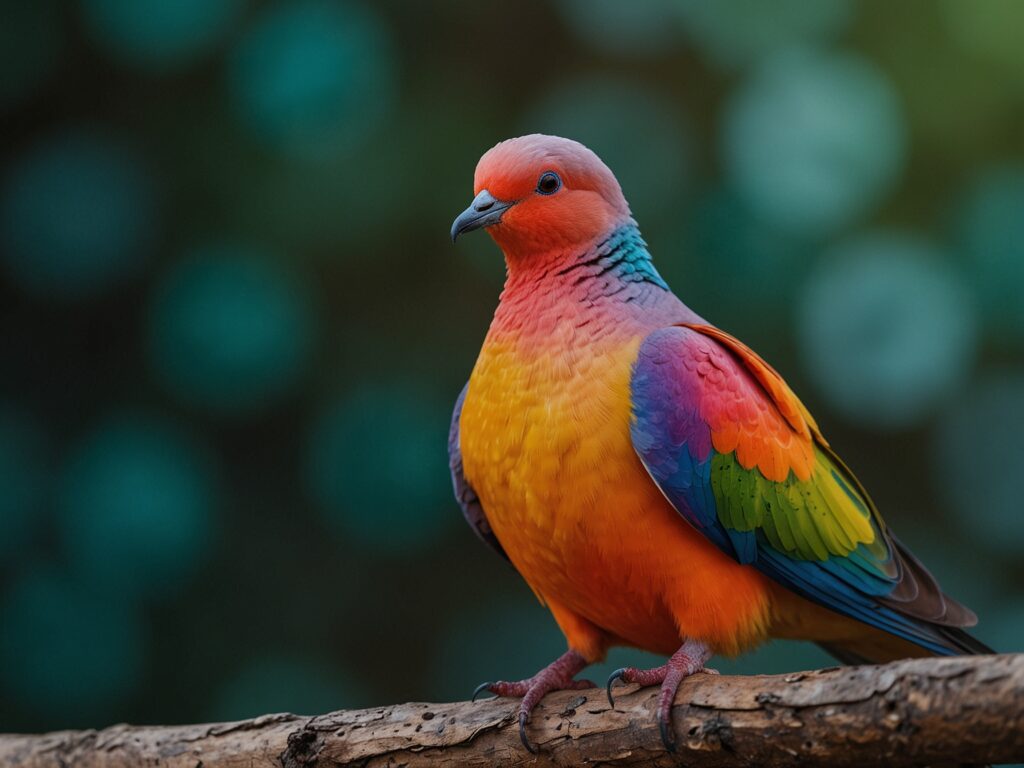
[{"x": 654, "y": 481}]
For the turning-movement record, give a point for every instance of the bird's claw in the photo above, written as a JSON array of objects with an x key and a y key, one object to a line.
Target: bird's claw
[
  {"x": 668, "y": 738},
  {"x": 618, "y": 674},
  {"x": 524, "y": 718},
  {"x": 558, "y": 675},
  {"x": 480, "y": 689},
  {"x": 688, "y": 660}
]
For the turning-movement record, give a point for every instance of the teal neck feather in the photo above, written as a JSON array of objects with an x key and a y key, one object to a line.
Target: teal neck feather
[{"x": 623, "y": 255}]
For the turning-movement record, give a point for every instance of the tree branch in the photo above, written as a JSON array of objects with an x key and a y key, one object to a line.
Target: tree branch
[{"x": 915, "y": 712}]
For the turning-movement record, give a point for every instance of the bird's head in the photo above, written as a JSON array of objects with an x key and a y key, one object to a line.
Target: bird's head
[{"x": 542, "y": 193}]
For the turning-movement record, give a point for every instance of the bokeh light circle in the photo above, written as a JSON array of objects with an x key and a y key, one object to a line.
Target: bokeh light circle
[
  {"x": 733, "y": 32},
  {"x": 159, "y": 35},
  {"x": 654, "y": 172},
  {"x": 77, "y": 214},
  {"x": 136, "y": 506},
  {"x": 814, "y": 140},
  {"x": 979, "y": 460},
  {"x": 30, "y": 47},
  {"x": 23, "y": 479},
  {"x": 377, "y": 467},
  {"x": 313, "y": 76},
  {"x": 990, "y": 231},
  {"x": 230, "y": 329},
  {"x": 66, "y": 652},
  {"x": 885, "y": 330}
]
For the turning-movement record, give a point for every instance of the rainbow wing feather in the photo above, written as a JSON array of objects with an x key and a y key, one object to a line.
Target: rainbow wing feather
[{"x": 741, "y": 459}]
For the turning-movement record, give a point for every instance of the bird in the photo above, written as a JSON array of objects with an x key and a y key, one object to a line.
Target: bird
[{"x": 654, "y": 481}]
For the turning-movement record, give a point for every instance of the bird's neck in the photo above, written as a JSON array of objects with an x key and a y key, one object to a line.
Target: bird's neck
[{"x": 608, "y": 284}]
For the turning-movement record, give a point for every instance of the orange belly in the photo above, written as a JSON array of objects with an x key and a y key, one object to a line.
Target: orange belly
[{"x": 545, "y": 443}]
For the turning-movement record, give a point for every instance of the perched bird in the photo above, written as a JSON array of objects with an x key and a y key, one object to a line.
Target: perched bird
[{"x": 654, "y": 481}]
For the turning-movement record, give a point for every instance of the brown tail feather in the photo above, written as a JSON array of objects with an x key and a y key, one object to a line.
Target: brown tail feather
[
  {"x": 919, "y": 595},
  {"x": 877, "y": 647}
]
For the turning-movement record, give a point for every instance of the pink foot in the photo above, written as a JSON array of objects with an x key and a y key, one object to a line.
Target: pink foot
[
  {"x": 556, "y": 676},
  {"x": 688, "y": 660}
]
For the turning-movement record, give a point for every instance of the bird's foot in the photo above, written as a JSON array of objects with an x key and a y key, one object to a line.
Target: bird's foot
[
  {"x": 556, "y": 676},
  {"x": 688, "y": 660}
]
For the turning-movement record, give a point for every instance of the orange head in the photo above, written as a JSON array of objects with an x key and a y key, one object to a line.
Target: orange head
[{"x": 542, "y": 193}]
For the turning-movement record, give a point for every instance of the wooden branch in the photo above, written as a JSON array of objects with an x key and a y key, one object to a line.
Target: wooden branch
[{"x": 915, "y": 712}]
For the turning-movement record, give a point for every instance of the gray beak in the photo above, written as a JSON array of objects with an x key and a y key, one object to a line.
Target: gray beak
[{"x": 484, "y": 211}]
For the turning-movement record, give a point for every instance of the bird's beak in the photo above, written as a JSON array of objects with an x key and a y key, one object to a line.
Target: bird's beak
[{"x": 485, "y": 211}]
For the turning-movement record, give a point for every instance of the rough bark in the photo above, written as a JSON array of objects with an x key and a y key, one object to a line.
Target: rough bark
[{"x": 917, "y": 712}]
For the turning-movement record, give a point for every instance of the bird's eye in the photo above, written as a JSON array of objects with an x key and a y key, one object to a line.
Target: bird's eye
[{"x": 549, "y": 183}]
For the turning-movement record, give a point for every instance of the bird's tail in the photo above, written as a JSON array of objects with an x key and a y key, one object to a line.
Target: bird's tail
[
  {"x": 940, "y": 620},
  {"x": 880, "y": 647},
  {"x": 964, "y": 643}
]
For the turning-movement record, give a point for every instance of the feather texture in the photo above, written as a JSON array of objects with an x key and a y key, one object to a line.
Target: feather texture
[
  {"x": 651, "y": 477},
  {"x": 736, "y": 453}
]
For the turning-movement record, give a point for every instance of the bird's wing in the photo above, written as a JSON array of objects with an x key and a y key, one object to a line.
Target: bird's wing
[
  {"x": 472, "y": 509},
  {"x": 742, "y": 460}
]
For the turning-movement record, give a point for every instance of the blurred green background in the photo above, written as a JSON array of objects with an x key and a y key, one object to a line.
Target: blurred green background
[{"x": 234, "y": 325}]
